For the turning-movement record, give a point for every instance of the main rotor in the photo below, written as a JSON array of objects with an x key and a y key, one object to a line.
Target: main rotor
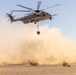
[{"x": 32, "y": 10}]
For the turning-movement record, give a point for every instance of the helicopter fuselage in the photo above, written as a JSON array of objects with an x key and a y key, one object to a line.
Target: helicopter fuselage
[{"x": 35, "y": 17}]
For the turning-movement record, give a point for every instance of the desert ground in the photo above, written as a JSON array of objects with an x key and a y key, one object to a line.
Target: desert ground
[{"x": 37, "y": 70}]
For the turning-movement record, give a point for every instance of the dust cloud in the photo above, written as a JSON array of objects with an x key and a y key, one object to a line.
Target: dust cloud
[{"x": 20, "y": 44}]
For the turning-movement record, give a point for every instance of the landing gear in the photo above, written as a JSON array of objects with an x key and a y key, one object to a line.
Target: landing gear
[
  {"x": 34, "y": 22},
  {"x": 38, "y": 32},
  {"x": 50, "y": 19}
]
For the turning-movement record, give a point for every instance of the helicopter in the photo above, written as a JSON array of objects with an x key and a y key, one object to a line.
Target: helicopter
[{"x": 34, "y": 16}]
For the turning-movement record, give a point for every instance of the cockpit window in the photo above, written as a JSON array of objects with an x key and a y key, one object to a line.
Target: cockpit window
[{"x": 46, "y": 13}]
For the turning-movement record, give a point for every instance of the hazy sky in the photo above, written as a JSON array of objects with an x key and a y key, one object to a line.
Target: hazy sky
[{"x": 66, "y": 19}]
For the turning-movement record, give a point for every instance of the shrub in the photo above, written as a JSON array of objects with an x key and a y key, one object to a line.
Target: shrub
[
  {"x": 65, "y": 64},
  {"x": 33, "y": 63}
]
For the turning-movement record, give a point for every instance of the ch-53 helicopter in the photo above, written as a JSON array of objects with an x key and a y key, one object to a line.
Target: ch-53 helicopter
[{"x": 34, "y": 15}]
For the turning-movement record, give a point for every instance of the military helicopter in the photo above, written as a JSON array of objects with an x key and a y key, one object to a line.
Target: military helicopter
[{"x": 34, "y": 15}]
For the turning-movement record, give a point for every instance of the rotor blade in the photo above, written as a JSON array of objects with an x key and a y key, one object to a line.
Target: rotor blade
[
  {"x": 51, "y": 6},
  {"x": 38, "y": 4},
  {"x": 24, "y": 7},
  {"x": 20, "y": 11},
  {"x": 54, "y": 14}
]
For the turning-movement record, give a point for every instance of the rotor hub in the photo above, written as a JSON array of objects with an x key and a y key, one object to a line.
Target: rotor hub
[{"x": 37, "y": 10}]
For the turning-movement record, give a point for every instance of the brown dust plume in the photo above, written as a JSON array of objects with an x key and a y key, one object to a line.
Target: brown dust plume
[{"x": 18, "y": 44}]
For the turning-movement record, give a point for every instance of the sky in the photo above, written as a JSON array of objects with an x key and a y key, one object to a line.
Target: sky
[{"x": 65, "y": 20}]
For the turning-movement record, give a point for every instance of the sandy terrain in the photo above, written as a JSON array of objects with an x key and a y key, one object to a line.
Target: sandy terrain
[{"x": 38, "y": 70}]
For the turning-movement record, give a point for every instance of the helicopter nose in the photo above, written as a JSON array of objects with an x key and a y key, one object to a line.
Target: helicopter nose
[{"x": 50, "y": 17}]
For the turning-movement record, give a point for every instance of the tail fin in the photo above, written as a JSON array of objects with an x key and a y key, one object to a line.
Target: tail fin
[{"x": 11, "y": 17}]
